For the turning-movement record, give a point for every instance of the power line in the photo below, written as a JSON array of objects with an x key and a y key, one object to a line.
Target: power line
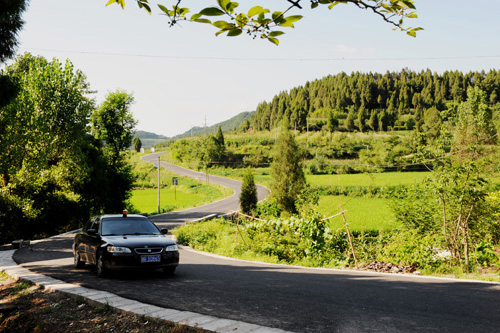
[{"x": 262, "y": 59}]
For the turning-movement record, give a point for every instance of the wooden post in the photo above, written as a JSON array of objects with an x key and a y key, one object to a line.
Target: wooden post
[{"x": 350, "y": 240}]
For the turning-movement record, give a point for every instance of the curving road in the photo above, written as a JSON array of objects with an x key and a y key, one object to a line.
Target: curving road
[
  {"x": 289, "y": 298},
  {"x": 218, "y": 208}
]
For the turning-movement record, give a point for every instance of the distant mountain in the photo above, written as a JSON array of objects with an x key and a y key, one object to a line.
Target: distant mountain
[
  {"x": 149, "y": 139},
  {"x": 226, "y": 126}
]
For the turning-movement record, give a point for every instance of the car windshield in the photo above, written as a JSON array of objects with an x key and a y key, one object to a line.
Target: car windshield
[{"x": 128, "y": 226}]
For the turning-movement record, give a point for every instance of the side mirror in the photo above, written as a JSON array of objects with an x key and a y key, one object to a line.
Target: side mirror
[
  {"x": 92, "y": 232},
  {"x": 164, "y": 231}
]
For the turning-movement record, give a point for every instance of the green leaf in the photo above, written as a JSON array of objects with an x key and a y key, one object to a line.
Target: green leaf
[
  {"x": 194, "y": 17},
  {"x": 276, "y": 33},
  {"x": 333, "y": 5},
  {"x": 274, "y": 41},
  {"x": 241, "y": 20},
  {"x": 288, "y": 21},
  {"x": 202, "y": 21},
  {"x": 223, "y": 25},
  {"x": 163, "y": 9},
  {"x": 294, "y": 18},
  {"x": 182, "y": 11},
  {"x": 232, "y": 6},
  {"x": 120, "y": 2},
  {"x": 234, "y": 32},
  {"x": 144, "y": 4},
  {"x": 276, "y": 15},
  {"x": 255, "y": 11},
  {"x": 406, "y": 4},
  {"x": 223, "y": 3},
  {"x": 212, "y": 11}
]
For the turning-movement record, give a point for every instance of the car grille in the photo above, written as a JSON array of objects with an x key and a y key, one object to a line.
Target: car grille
[{"x": 148, "y": 250}]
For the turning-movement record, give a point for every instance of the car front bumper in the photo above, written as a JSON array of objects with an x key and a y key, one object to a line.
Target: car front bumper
[{"x": 116, "y": 261}]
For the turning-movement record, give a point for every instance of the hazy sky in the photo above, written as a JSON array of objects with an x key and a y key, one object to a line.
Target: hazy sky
[{"x": 183, "y": 75}]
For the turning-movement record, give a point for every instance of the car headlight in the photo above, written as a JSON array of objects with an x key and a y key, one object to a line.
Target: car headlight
[
  {"x": 171, "y": 248},
  {"x": 118, "y": 249}
]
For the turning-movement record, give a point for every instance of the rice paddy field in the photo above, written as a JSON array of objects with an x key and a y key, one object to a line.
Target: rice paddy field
[
  {"x": 361, "y": 213},
  {"x": 368, "y": 179}
]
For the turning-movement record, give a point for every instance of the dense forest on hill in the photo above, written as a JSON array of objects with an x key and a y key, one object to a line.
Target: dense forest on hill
[{"x": 373, "y": 102}]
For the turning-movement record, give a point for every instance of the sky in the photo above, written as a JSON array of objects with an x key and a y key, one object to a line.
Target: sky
[{"x": 185, "y": 76}]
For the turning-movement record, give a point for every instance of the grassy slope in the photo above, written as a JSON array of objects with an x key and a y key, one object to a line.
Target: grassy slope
[{"x": 190, "y": 192}]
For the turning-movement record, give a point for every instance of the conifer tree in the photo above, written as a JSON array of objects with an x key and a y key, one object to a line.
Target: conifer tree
[
  {"x": 248, "y": 195},
  {"x": 286, "y": 171}
]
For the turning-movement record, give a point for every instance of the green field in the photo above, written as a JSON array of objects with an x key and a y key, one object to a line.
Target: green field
[
  {"x": 368, "y": 179},
  {"x": 362, "y": 213},
  {"x": 147, "y": 200}
]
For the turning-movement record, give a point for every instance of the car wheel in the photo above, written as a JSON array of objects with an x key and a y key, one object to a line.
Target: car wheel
[
  {"x": 78, "y": 263},
  {"x": 169, "y": 270},
  {"x": 101, "y": 269}
]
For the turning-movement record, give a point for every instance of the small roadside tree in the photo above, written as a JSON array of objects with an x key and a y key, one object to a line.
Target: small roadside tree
[
  {"x": 137, "y": 144},
  {"x": 220, "y": 146},
  {"x": 248, "y": 195},
  {"x": 286, "y": 171}
]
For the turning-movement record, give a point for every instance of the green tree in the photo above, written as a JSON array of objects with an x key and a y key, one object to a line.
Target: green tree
[
  {"x": 332, "y": 122},
  {"x": 219, "y": 154},
  {"x": 373, "y": 121},
  {"x": 286, "y": 171},
  {"x": 474, "y": 127},
  {"x": 10, "y": 24},
  {"x": 42, "y": 127},
  {"x": 248, "y": 195},
  {"x": 455, "y": 197},
  {"x": 349, "y": 122},
  {"x": 264, "y": 22},
  {"x": 137, "y": 144},
  {"x": 43, "y": 155},
  {"x": 114, "y": 124},
  {"x": 362, "y": 115},
  {"x": 432, "y": 123}
]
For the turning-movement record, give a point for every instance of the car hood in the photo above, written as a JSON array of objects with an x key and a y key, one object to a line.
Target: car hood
[{"x": 138, "y": 240}]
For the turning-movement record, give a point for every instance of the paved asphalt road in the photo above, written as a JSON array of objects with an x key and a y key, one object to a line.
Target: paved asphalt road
[
  {"x": 290, "y": 298},
  {"x": 220, "y": 207}
]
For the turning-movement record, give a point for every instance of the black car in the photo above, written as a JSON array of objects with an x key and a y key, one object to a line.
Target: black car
[{"x": 124, "y": 241}]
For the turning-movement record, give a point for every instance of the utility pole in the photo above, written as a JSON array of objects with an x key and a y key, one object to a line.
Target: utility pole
[{"x": 158, "y": 184}]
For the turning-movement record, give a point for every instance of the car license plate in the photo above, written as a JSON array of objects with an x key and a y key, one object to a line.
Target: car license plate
[{"x": 150, "y": 258}]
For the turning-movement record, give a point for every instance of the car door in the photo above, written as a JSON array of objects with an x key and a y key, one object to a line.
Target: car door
[
  {"x": 88, "y": 240},
  {"x": 94, "y": 240}
]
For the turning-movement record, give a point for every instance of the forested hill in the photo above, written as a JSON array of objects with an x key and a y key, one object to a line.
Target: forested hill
[
  {"x": 149, "y": 139},
  {"x": 227, "y": 125},
  {"x": 368, "y": 102}
]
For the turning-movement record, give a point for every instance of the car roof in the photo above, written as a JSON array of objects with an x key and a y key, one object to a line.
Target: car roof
[{"x": 135, "y": 216}]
